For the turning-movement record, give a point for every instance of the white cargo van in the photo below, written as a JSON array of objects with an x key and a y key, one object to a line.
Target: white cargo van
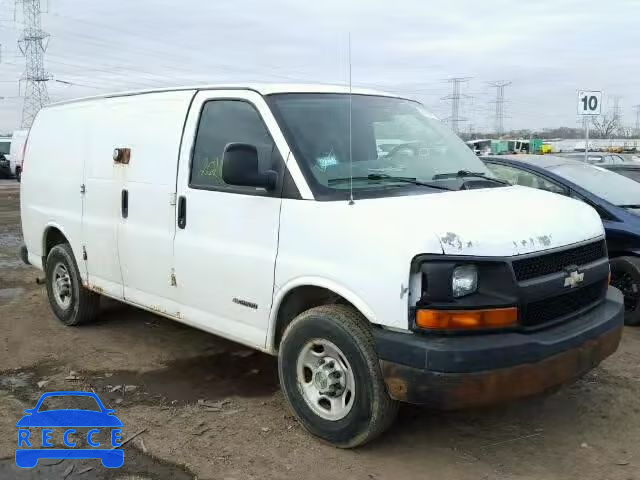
[
  {"x": 267, "y": 215},
  {"x": 18, "y": 141}
]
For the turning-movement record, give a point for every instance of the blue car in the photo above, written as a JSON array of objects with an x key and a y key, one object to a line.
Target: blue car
[
  {"x": 615, "y": 198},
  {"x": 31, "y": 448}
]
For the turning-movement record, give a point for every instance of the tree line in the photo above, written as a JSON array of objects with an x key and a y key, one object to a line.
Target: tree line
[{"x": 602, "y": 127}]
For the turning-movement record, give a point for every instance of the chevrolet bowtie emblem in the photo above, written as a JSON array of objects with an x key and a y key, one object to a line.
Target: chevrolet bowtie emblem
[{"x": 573, "y": 279}]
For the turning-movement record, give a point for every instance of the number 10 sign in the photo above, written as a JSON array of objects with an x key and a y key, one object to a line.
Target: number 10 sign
[{"x": 589, "y": 102}]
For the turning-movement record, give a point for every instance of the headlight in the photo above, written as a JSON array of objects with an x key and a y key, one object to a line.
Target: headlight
[{"x": 464, "y": 280}]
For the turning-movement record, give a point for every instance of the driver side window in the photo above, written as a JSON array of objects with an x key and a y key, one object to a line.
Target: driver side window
[{"x": 223, "y": 122}]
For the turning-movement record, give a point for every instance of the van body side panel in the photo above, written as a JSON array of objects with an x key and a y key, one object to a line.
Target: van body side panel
[
  {"x": 151, "y": 126},
  {"x": 50, "y": 195}
]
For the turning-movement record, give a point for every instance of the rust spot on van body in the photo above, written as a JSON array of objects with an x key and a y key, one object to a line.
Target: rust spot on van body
[{"x": 165, "y": 313}]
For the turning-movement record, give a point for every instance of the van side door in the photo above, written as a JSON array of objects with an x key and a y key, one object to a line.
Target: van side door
[
  {"x": 227, "y": 237},
  {"x": 101, "y": 198},
  {"x": 150, "y": 133}
]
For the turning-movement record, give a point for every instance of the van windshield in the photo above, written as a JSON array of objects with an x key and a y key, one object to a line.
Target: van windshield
[{"x": 395, "y": 144}]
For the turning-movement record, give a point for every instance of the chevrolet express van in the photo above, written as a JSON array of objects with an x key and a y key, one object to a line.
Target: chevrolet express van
[{"x": 269, "y": 216}]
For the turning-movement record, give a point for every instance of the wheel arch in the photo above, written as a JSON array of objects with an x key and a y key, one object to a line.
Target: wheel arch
[
  {"x": 302, "y": 294},
  {"x": 53, "y": 235},
  {"x": 615, "y": 253}
]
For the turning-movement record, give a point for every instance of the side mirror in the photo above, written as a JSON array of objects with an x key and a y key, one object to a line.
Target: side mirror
[{"x": 240, "y": 167}]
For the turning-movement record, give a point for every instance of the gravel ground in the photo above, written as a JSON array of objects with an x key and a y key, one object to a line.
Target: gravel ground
[{"x": 210, "y": 409}]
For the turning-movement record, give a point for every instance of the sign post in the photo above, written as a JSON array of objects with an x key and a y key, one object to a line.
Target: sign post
[
  {"x": 586, "y": 142},
  {"x": 589, "y": 105}
]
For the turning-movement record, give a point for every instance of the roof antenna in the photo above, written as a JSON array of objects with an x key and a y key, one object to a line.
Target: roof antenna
[{"x": 351, "y": 202}]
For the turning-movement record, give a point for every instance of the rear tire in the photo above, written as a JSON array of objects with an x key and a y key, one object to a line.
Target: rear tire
[
  {"x": 625, "y": 276},
  {"x": 18, "y": 174},
  {"x": 337, "y": 341},
  {"x": 70, "y": 301}
]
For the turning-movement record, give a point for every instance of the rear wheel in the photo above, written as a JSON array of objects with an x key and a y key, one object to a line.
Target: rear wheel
[
  {"x": 625, "y": 276},
  {"x": 70, "y": 301},
  {"x": 18, "y": 174},
  {"x": 330, "y": 376}
]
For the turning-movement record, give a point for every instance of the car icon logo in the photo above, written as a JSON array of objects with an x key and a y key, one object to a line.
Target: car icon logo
[{"x": 63, "y": 423}]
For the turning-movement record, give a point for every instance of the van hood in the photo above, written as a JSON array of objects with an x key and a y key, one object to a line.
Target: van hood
[{"x": 499, "y": 221}]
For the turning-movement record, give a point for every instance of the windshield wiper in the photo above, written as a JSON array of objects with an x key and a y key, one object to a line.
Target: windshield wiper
[
  {"x": 391, "y": 178},
  {"x": 467, "y": 173}
]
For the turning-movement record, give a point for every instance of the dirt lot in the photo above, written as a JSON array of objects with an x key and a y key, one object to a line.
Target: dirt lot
[{"x": 590, "y": 430}]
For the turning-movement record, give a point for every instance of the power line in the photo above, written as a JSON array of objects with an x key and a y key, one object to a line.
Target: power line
[
  {"x": 499, "y": 86},
  {"x": 617, "y": 109},
  {"x": 33, "y": 44},
  {"x": 455, "y": 118}
]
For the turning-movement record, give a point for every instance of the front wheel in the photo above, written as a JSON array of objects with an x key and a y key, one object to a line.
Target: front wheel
[
  {"x": 625, "y": 276},
  {"x": 330, "y": 376}
]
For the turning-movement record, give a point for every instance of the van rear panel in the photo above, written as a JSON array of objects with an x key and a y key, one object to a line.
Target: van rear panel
[{"x": 50, "y": 192}]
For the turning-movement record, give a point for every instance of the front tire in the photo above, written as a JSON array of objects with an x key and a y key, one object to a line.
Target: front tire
[
  {"x": 331, "y": 379},
  {"x": 625, "y": 276},
  {"x": 70, "y": 301}
]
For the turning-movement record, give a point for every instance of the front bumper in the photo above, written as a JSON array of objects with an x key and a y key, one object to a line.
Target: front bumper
[{"x": 452, "y": 372}]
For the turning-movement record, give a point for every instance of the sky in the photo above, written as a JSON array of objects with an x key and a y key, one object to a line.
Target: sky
[{"x": 547, "y": 49}]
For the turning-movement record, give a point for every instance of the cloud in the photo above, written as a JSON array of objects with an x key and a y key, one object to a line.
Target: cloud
[{"x": 547, "y": 48}]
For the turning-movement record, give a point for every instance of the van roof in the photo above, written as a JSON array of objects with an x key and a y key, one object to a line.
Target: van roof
[{"x": 261, "y": 88}]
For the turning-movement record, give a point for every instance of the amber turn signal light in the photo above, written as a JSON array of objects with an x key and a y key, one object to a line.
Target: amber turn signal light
[{"x": 466, "y": 319}]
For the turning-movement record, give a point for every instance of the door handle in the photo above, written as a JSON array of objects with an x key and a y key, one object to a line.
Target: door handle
[
  {"x": 182, "y": 212},
  {"x": 125, "y": 203}
]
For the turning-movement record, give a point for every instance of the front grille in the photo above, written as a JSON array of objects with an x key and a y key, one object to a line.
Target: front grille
[
  {"x": 548, "y": 309},
  {"x": 533, "y": 267}
]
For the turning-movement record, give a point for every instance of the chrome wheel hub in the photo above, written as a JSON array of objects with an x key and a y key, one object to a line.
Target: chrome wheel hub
[
  {"x": 61, "y": 286},
  {"x": 325, "y": 379}
]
